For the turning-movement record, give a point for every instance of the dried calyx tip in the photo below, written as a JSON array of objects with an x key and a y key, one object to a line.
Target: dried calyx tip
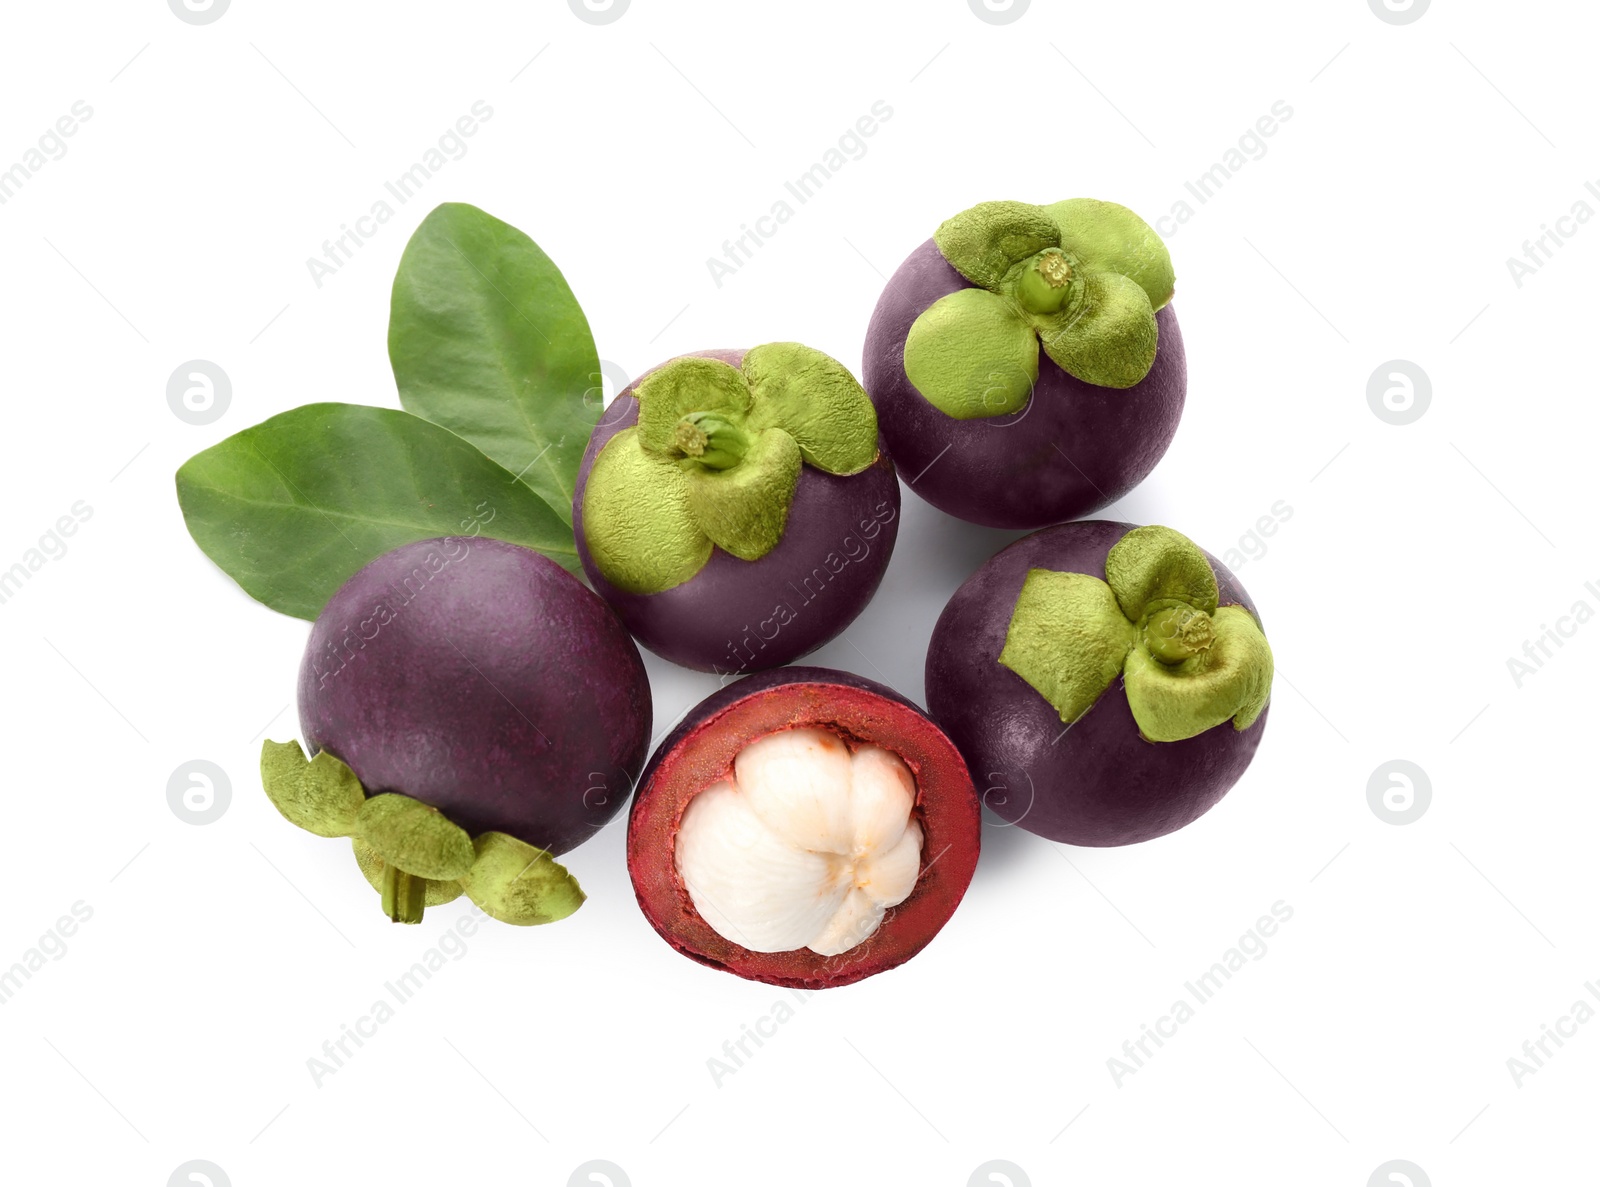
[
  {"x": 712, "y": 439},
  {"x": 1178, "y": 633}
]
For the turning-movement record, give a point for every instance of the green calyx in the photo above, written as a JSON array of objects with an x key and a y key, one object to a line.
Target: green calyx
[
  {"x": 1045, "y": 283},
  {"x": 715, "y": 458},
  {"x": 1187, "y": 663},
  {"x": 711, "y": 440},
  {"x": 515, "y": 882},
  {"x": 410, "y": 852},
  {"x": 1080, "y": 279}
]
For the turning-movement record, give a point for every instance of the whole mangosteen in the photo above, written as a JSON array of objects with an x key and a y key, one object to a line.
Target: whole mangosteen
[
  {"x": 1107, "y": 683},
  {"x": 473, "y": 711},
  {"x": 1025, "y": 362},
  {"x": 735, "y": 507},
  {"x": 803, "y": 827}
]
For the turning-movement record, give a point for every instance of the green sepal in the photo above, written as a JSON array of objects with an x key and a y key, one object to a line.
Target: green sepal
[
  {"x": 817, "y": 401},
  {"x": 1187, "y": 665},
  {"x": 1108, "y": 338},
  {"x": 1153, "y": 567},
  {"x": 675, "y": 389},
  {"x": 715, "y": 458},
  {"x": 636, "y": 519},
  {"x": 985, "y": 242},
  {"x": 515, "y": 882},
  {"x": 711, "y": 439},
  {"x": 1230, "y": 679},
  {"x": 322, "y": 795},
  {"x": 414, "y": 837},
  {"x": 744, "y": 509},
  {"x": 372, "y": 867},
  {"x": 1068, "y": 639},
  {"x": 1107, "y": 237},
  {"x": 973, "y": 354}
]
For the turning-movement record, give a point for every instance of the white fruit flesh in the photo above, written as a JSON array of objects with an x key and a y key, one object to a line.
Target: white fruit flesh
[{"x": 805, "y": 847}]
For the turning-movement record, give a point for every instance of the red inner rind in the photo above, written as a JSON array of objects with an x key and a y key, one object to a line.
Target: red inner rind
[{"x": 946, "y": 808}]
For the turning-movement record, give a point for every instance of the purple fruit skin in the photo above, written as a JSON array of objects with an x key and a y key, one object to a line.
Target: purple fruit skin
[
  {"x": 720, "y": 619},
  {"x": 1074, "y": 449},
  {"x": 505, "y": 694},
  {"x": 1098, "y": 783}
]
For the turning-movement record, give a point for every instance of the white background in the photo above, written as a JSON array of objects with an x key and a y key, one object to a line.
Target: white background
[{"x": 1417, "y": 560}]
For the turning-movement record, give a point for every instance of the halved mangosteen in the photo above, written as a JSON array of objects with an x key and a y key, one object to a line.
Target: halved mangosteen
[{"x": 803, "y": 827}]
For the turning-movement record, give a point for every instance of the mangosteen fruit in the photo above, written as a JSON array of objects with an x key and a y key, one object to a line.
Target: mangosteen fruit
[
  {"x": 1026, "y": 363},
  {"x": 803, "y": 827},
  {"x": 472, "y": 712},
  {"x": 1107, "y": 683},
  {"x": 735, "y": 508}
]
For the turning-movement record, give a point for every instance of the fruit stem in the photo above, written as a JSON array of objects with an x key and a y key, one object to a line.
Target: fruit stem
[
  {"x": 1045, "y": 282},
  {"x": 711, "y": 439},
  {"x": 1178, "y": 633},
  {"x": 403, "y": 895}
]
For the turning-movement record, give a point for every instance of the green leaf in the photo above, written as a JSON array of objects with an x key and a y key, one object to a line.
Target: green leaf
[
  {"x": 517, "y": 883},
  {"x": 321, "y": 796},
  {"x": 1107, "y": 237},
  {"x": 971, "y": 355},
  {"x": 414, "y": 837},
  {"x": 743, "y": 510},
  {"x": 985, "y": 242},
  {"x": 487, "y": 340},
  {"x": 1108, "y": 338},
  {"x": 293, "y": 506},
  {"x": 817, "y": 401},
  {"x": 1067, "y": 639},
  {"x": 636, "y": 519}
]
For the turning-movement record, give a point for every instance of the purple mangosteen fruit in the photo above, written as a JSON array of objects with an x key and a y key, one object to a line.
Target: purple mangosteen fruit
[
  {"x": 735, "y": 508},
  {"x": 472, "y": 712},
  {"x": 803, "y": 827},
  {"x": 1025, "y": 362},
  {"x": 1107, "y": 683}
]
